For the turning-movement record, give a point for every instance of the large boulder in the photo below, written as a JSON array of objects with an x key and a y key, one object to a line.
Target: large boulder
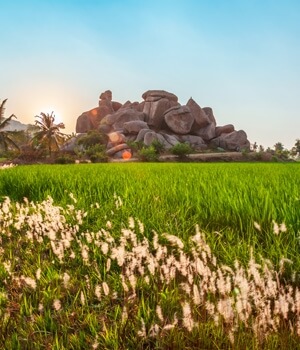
[
  {"x": 141, "y": 135},
  {"x": 179, "y": 119},
  {"x": 152, "y": 136},
  {"x": 207, "y": 133},
  {"x": 155, "y": 112},
  {"x": 106, "y": 95},
  {"x": 201, "y": 118},
  {"x": 133, "y": 105},
  {"x": 91, "y": 119},
  {"x": 155, "y": 95},
  {"x": 196, "y": 142},
  {"x": 134, "y": 126},
  {"x": 155, "y": 104},
  {"x": 116, "y": 105},
  {"x": 225, "y": 129},
  {"x": 149, "y": 137},
  {"x": 117, "y": 119},
  {"x": 105, "y": 99},
  {"x": 83, "y": 123},
  {"x": 113, "y": 150},
  {"x": 209, "y": 112},
  {"x": 235, "y": 141},
  {"x": 171, "y": 139}
]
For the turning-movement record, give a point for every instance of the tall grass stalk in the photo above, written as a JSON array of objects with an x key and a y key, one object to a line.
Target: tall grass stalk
[{"x": 92, "y": 266}]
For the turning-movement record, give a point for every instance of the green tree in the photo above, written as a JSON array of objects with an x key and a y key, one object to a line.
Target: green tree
[
  {"x": 295, "y": 151},
  {"x": 5, "y": 136},
  {"x": 278, "y": 147},
  {"x": 49, "y": 133}
]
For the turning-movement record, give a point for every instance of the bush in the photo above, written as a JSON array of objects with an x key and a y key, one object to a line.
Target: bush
[
  {"x": 181, "y": 150},
  {"x": 158, "y": 146},
  {"x": 92, "y": 138},
  {"x": 96, "y": 153},
  {"x": 148, "y": 154},
  {"x": 64, "y": 160},
  {"x": 135, "y": 146}
]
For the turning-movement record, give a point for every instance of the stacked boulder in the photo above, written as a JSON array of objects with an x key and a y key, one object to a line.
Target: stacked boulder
[{"x": 159, "y": 117}]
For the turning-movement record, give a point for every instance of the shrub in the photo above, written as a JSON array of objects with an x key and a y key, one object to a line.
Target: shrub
[
  {"x": 64, "y": 160},
  {"x": 135, "y": 146},
  {"x": 148, "y": 154},
  {"x": 181, "y": 150},
  {"x": 92, "y": 138},
  {"x": 158, "y": 146},
  {"x": 96, "y": 153}
]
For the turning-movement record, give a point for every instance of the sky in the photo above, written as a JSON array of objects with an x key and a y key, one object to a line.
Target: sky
[{"x": 239, "y": 57}]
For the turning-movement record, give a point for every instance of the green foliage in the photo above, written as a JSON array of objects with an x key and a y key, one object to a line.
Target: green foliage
[
  {"x": 96, "y": 153},
  {"x": 93, "y": 146},
  {"x": 92, "y": 138},
  {"x": 278, "y": 147},
  {"x": 296, "y": 149},
  {"x": 181, "y": 149},
  {"x": 49, "y": 134},
  {"x": 158, "y": 146},
  {"x": 135, "y": 146},
  {"x": 6, "y": 140},
  {"x": 148, "y": 154},
  {"x": 64, "y": 159}
]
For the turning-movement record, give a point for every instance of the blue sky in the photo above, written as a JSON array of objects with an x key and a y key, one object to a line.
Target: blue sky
[{"x": 240, "y": 57}]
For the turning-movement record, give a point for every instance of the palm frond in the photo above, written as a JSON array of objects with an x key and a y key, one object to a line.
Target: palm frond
[
  {"x": 6, "y": 121},
  {"x": 2, "y": 109},
  {"x": 49, "y": 131}
]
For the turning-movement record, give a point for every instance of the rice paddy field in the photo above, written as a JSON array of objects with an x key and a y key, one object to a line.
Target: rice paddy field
[{"x": 150, "y": 256}]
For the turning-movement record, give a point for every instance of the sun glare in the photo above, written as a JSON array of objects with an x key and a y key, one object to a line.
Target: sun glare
[
  {"x": 56, "y": 113},
  {"x": 126, "y": 155}
]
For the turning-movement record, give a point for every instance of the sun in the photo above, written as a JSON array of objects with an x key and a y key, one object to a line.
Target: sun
[{"x": 56, "y": 113}]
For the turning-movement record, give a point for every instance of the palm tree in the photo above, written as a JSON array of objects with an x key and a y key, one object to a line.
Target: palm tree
[
  {"x": 5, "y": 139},
  {"x": 49, "y": 133}
]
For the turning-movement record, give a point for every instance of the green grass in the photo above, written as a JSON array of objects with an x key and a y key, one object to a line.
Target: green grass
[{"x": 223, "y": 199}]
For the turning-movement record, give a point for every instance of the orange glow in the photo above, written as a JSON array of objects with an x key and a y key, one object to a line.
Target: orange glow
[
  {"x": 94, "y": 112},
  {"x": 126, "y": 155}
]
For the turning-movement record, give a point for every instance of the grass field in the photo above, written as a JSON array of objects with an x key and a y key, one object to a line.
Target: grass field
[{"x": 118, "y": 285}]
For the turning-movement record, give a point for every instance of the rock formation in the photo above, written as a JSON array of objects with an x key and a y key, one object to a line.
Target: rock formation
[{"x": 159, "y": 117}]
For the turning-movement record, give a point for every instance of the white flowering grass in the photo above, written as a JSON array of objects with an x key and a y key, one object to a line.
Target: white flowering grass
[
  {"x": 102, "y": 287},
  {"x": 88, "y": 235},
  {"x": 7, "y": 166}
]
